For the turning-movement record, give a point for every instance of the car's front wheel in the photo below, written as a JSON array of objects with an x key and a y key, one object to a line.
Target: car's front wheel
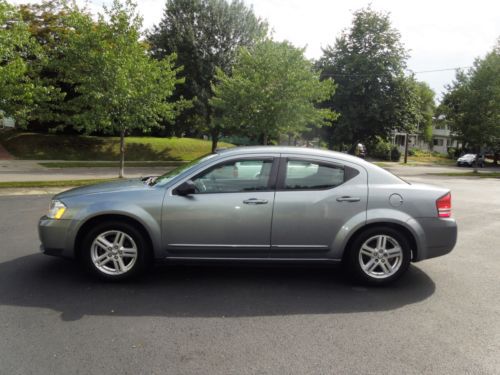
[
  {"x": 379, "y": 256},
  {"x": 115, "y": 251}
]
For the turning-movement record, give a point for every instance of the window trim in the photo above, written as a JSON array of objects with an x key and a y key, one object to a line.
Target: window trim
[
  {"x": 283, "y": 167},
  {"x": 271, "y": 183}
]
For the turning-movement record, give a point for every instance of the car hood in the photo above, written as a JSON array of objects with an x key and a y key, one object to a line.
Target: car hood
[
  {"x": 466, "y": 158},
  {"x": 105, "y": 187}
]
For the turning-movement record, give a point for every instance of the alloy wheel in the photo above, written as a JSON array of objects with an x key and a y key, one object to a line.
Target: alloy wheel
[
  {"x": 113, "y": 252},
  {"x": 380, "y": 256}
]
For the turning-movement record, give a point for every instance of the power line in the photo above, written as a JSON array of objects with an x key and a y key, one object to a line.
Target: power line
[
  {"x": 439, "y": 70},
  {"x": 408, "y": 70}
]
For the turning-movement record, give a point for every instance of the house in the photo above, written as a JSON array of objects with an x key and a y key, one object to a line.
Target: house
[
  {"x": 442, "y": 139},
  {"x": 6, "y": 122}
]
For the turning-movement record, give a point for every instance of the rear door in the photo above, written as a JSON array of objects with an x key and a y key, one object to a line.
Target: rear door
[{"x": 315, "y": 199}]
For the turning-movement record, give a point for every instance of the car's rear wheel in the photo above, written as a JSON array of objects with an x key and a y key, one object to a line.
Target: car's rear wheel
[
  {"x": 379, "y": 256},
  {"x": 115, "y": 251}
]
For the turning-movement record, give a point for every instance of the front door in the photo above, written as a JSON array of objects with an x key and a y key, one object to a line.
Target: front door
[
  {"x": 315, "y": 199},
  {"x": 229, "y": 215}
]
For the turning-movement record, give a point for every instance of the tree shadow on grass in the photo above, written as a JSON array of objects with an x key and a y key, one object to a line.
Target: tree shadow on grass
[{"x": 194, "y": 291}]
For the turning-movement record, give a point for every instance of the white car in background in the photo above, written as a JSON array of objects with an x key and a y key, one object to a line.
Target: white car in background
[{"x": 468, "y": 160}]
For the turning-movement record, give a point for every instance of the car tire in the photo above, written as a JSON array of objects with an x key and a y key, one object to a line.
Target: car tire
[
  {"x": 378, "y": 256},
  {"x": 115, "y": 251}
]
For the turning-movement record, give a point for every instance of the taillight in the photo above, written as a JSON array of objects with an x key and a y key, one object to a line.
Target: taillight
[{"x": 443, "y": 206}]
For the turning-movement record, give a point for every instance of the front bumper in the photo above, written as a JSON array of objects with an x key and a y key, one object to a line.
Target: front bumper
[
  {"x": 440, "y": 236},
  {"x": 53, "y": 235}
]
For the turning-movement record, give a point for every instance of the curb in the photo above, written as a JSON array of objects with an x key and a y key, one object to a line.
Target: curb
[{"x": 32, "y": 191}]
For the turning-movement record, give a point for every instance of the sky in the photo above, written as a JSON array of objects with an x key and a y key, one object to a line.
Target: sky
[{"x": 440, "y": 34}]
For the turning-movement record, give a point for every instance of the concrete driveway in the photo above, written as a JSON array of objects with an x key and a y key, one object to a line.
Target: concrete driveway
[{"x": 442, "y": 318}]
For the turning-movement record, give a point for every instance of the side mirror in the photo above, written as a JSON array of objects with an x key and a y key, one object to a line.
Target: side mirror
[{"x": 186, "y": 188}]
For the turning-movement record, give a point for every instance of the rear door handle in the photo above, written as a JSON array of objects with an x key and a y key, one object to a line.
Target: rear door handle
[
  {"x": 255, "y": 201},
  {"x": 348, "y": 199}
]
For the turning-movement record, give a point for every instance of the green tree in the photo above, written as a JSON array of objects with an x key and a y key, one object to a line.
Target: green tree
[
  {"x": 471, "y": 103},
  {"x": 373, "y": 94},
  {"x": 205, "y": 35},
  {"x": 20, "y": 90},
  {"x": 119, "y": 87},
  {"x": 272, "y": 90},
  {"x": 426, "y": 109},
  {"x": 47, "y": 23}
]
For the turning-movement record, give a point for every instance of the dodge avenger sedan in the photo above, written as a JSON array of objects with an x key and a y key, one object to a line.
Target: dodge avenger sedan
[{"x": 267, "y": 204}]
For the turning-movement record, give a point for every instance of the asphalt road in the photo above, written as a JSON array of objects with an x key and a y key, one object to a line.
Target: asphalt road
[{"x": 442, "y": 318}]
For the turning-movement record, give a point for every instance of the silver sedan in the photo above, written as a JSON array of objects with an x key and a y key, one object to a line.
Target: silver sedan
[{"x": 267, "y": 204}]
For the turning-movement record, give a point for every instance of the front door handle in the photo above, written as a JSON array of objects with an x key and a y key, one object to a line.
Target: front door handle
[
  {"x": 255, "y": 201},
  {"x": 348, "y": 199}
]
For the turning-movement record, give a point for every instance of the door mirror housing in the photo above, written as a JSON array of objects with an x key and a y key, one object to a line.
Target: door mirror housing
[{"x": 186, "y": 188}]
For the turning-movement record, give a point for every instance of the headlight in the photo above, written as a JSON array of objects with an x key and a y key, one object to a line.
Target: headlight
[{"x": 56, "y": 210}]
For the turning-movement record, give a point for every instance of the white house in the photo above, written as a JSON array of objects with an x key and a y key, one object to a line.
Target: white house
[
  {"x": 442, "y": 139},
  {"x": 6, "y": 122}
]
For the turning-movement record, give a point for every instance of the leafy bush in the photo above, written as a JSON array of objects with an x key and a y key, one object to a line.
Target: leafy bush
[
  {"x": 395, "y": 154},
  {"x": 452, "y": 152},
  {"x": 381, "y": 150}
]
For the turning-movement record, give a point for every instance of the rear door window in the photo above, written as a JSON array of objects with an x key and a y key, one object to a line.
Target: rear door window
[{"x": 312, "y": 175}]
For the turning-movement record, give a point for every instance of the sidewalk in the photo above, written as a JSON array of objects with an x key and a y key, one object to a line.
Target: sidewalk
[
  {"x": 30, "y": 170},
  {"x": 420, "y": 170}
]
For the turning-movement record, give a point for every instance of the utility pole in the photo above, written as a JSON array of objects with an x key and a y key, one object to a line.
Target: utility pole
[{"x": 406, "y": 148}]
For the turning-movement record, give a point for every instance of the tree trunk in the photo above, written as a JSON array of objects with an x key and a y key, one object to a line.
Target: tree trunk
[
  {"x": 215, "y": 139},
  {"x": 264, "y": 139},
  {"x": 214, "y": 144},
  {"x": 121, "y": 173}
]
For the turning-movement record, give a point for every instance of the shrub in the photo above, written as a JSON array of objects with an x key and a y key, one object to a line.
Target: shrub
[
  {"x": 395, "y": 154},
  {"x": 381, "y": 150},
  {"x": 452, "y": 152}
]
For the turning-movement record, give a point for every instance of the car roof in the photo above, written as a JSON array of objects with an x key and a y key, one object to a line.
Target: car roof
[{"x": 289, "y": 150}]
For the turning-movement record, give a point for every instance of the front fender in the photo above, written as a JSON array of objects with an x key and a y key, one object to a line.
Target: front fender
[{"x": 130, "y": 210}]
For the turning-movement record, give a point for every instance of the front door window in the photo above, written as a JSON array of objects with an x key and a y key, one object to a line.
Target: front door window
[{"x": 235, "y": 177}]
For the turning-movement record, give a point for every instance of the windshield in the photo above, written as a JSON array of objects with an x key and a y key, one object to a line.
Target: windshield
[{"x": 163, "y": 179}]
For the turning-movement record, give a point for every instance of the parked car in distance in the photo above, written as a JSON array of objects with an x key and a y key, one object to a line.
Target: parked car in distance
[
  {"x": 468, "y": 160},
  {"x": 264, "y": 204}
]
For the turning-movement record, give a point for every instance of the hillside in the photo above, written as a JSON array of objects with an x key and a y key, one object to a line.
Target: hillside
[{"x": 69, "y": 147}]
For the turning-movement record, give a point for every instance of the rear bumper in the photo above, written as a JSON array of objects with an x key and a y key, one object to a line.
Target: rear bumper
[
  {"x": 439, "y": 237},
  {"x": 53, "y": 235}
]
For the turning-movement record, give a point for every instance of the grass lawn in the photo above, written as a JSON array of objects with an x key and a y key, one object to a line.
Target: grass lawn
[
  {"x": 109, "y": 164},
  {"x": 36, "y": 146},
  {"x": 430, "y": 159},
  {"x": 43, "y": 184},
  {"x": 469, "y": 174}
]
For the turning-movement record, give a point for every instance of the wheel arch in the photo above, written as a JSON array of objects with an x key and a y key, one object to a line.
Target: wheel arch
[
  {"x": 396, "y": 226},
  {"x": 95, "y": 220}
]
